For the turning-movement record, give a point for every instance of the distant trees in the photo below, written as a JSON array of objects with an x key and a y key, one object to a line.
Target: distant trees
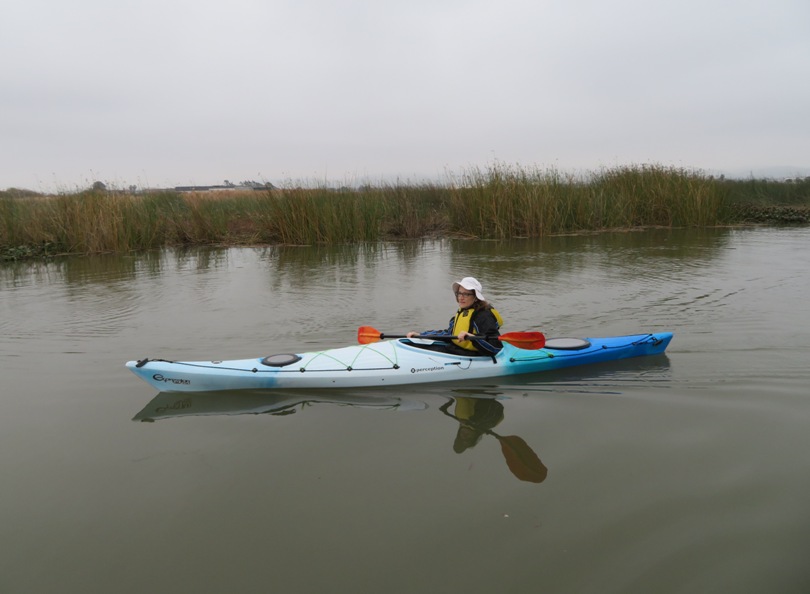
[{"x": 256, "y": 185}]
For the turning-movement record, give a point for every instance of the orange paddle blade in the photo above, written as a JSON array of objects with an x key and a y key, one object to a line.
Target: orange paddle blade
[
  {"x": 530, "y": 341},
  {"x": 367, "y": 335}
]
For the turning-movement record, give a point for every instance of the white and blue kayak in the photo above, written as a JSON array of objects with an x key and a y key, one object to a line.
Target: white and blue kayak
[{"x": 388, "y": 363}]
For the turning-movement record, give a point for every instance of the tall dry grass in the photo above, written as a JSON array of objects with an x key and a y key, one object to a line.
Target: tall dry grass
[{"x": 500, "y": 201}]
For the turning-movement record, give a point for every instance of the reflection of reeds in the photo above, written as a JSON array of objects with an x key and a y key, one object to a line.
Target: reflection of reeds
[{"x": 501, "y": 201}]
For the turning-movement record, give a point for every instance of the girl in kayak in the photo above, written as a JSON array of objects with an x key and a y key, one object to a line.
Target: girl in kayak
[{"x": 475, "y": 318}]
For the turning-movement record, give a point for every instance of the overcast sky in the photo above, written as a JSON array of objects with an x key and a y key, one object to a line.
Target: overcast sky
[{"x": 158, "y": 93}]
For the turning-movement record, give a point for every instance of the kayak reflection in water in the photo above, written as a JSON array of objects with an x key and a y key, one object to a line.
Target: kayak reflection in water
[
  {"x": 477, "y": 417},
  {"x": 475, "y": 317}
]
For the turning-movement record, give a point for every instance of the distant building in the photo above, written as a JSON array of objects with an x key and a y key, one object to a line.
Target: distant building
[{"x": 227, "y": 186}]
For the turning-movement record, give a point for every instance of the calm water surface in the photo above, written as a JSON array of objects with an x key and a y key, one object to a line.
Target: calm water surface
[{"x": 688, "y": 472}]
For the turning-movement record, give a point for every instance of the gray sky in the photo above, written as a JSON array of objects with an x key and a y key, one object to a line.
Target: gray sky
[{"x": 160, "y": 93}]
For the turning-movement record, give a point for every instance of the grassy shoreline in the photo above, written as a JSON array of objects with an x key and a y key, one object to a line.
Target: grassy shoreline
[{"x": 498, "y": 202}]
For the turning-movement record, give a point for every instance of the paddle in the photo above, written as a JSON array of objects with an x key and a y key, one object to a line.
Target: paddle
[{"x": 530, "y": 341}]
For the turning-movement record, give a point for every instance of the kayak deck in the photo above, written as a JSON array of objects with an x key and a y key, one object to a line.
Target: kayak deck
[{"x": 389, "y": 362}]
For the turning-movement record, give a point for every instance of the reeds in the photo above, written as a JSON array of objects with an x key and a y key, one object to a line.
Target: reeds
[
  {"x": 662, "y": 197},
  {"x": 510, "y": 201},
  {"x": 498, "y": 202},
  {"x": 308, "y": 216}
]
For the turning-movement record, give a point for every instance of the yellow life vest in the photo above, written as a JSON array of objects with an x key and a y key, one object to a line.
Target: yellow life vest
[{"x": 461, "y": 323}]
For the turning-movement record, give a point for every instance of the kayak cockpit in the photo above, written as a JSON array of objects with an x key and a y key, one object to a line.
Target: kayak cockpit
[{"x": 443, "y": 347}]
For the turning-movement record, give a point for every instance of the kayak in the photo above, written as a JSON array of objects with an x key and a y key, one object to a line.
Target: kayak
[{"x": 388, "y": 363}]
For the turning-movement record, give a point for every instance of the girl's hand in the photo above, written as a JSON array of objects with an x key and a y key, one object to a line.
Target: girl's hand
[
  {"x": 411, "y": 334},
  {"x": 463, "y": 335}
]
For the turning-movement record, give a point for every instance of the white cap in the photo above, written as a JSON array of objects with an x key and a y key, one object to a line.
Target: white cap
[{"x": 470, "y": 284}]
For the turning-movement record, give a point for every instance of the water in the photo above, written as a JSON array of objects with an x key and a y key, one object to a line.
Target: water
[{"x": 681, "y": 473}]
